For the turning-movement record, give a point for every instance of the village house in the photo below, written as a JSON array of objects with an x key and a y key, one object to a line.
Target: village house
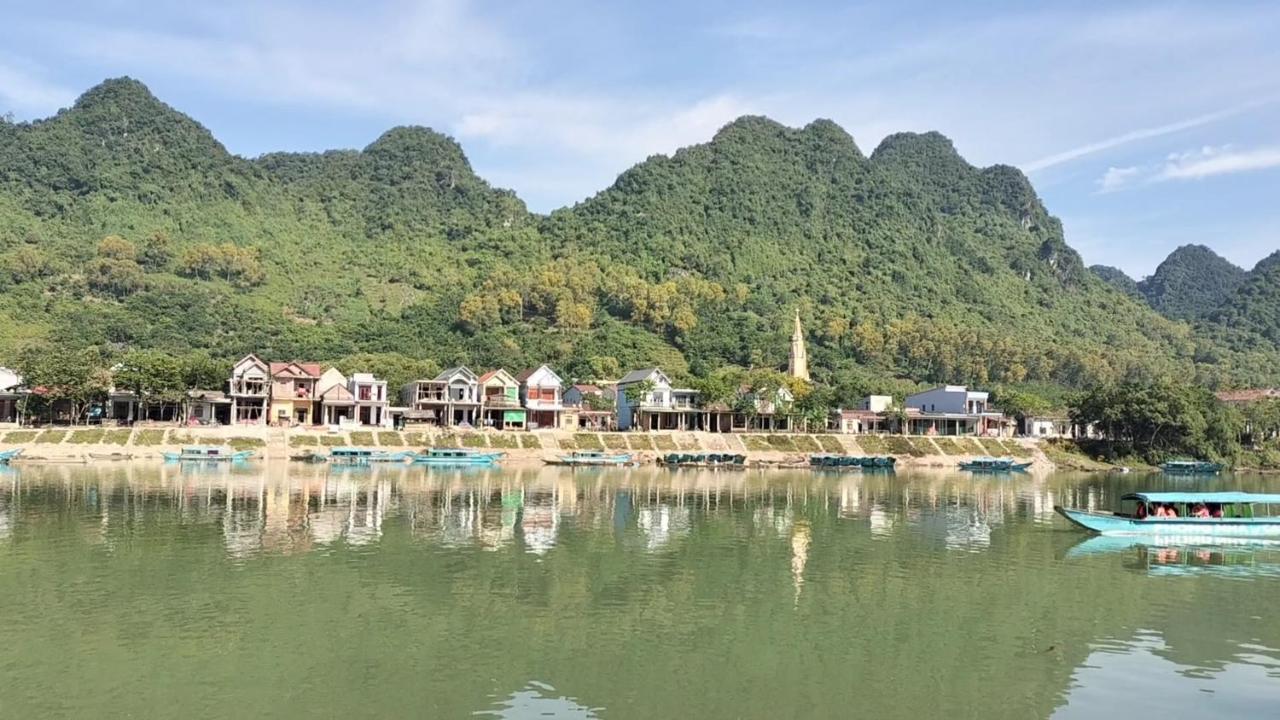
[
  {"x": 952, "y": 410},
  {"x": 249, "y": 389},
  {"x": 450, "y": 398},
  {"x": 750, "y": 413},
  {"x": 584, "y": 394},
  {"x": 592, "y": 407},
  {"x": 540, "y": 391},
  {"x": 500, "y": 401},
  {"x": 11, "y": 394},
  {"x": 293, "y": 392},
  {"x": 1046, "y": 426},
  {"x": 207, "y": 407},
  {"x": 647, "y": 401},
  {"x": 370, "y": 396}
]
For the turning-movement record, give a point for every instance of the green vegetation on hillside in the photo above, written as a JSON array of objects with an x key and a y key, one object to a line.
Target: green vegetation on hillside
[
  {"x": 125, "y": 226},
  {"x": 1191, "y": 283}
]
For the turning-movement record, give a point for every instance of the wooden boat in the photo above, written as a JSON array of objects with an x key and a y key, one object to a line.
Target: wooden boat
[
  {"x": 110, "y": 456},
  {"x": 7, "y": 455},
  {"x": 589, "y": 458},
  {"x": 994, "y": 465},
  {"x": 208, "y": 453},
  {"x": 715, "y": 460},
  {"x": 362, "y": 456},
  {"x": 456, "y": 456},
  {"x": 309, "y": 457},
  {"x": 1191, "y": 467},
  {"x": 829, "y": 461},
  {"x": 1238, "y": 514}
]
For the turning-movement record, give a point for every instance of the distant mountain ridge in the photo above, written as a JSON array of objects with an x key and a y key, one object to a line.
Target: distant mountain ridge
[{"x": 908, "y": 265}]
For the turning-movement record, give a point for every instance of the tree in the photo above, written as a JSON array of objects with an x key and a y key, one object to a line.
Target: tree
[
  {"x": 115, "y": 277},
  {"x": 156, "y": 252},
  {"x": 152, "y": 376},
  {"x": 115, "y": 247},
  {"x": 76, "y": 377}
]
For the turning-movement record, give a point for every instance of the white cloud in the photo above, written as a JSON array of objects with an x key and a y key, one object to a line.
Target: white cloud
[
  {"x": 1224, "y": 160},
  {"x": 1118, "y": 177},
  {"x": 1133, "y": 136}
]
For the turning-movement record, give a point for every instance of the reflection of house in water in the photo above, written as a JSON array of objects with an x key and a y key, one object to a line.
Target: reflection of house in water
[
  {"x": 800, "y": 539},
  {"x": 882, "y": 521},
  {"x": 539, "y": 523},
  {"x": 242, "y": 522},
  {"x": 662, "y": 523},
  {"x": 539, "y": 700}
]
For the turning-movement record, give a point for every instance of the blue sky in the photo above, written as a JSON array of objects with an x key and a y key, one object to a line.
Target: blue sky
[{"x": 1143, "y": 125}]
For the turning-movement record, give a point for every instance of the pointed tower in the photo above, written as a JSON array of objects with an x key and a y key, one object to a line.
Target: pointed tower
[{"x": 798, "y": 365}]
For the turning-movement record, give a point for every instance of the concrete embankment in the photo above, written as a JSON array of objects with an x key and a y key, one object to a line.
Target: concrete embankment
[{"x": 148, "y": 442}]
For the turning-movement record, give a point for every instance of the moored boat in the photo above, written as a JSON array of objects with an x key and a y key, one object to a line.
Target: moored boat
[
  {"x": 110, "y": 456},
  {"x": 1230, "y": 514},
  {"x": 7, "y": 455},
  {"x": 588, "y": 458},
  {"x": 1191, "y": 467},
  {"x": 361, "y": 456},
  {"x": 996, "y": 465},
  {"x": 309, "y": 457},
  {"x": 831, "y": 461},
  {"x": 456, "y": 456},
  {"x": 208, "y": 453},
  {"x": 715, "y": 460}
]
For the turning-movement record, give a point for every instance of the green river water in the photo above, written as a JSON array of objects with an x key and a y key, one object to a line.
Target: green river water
[{"x": 147, "y": 591}]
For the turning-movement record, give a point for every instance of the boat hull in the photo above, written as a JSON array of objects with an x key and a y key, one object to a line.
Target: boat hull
[
  {"x": 1182, "y": 529},
  {"x": 455, "y": 462},
  {"x": 233, "y": 457}
]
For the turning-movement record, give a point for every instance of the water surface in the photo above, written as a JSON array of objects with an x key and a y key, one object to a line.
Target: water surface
[{"x": 269, "y": 590}]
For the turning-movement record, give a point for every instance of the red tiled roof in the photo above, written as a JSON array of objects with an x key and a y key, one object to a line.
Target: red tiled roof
[
  {"x": 487, "y": 376},
  {"x": 311, "y": 369}
]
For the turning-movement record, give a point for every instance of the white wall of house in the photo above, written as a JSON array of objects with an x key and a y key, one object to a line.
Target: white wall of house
[
  {"x": 955, "y": 399},
  {"x": 876, "y": 403},
  {"x": 660, "y": 397}
]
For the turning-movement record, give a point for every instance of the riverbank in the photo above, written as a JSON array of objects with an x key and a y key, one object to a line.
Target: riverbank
[{"x": 88, "y": 444}]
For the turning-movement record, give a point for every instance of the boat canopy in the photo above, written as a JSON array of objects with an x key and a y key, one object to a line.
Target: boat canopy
[{"x": 1206, "y": 497}]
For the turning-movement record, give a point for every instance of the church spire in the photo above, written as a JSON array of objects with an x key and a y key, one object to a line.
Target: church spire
[{"x": 798, "y": 365}]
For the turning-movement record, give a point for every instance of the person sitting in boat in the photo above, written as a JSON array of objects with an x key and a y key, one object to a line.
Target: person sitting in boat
[
  {"x": 1201, "y": 511},
  {"x": 1141, "y": 512},
  {"x": 1170, "y": 510},
  {"x": 1215, "y": 510}
]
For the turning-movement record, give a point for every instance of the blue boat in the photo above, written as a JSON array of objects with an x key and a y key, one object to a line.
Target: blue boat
[
  {"x": 456, "y": 456},
  {"x": 1191, "y": 467},
  {"x": 1232, "y": 514},
  {"x": 208, "y": 453},
  {"x": 714, "y": 460},
  {"x": 994, "y": 465},
  {"x": 590, "y": 458},
  {"x": 7, "y": 455},
  {"x": 363, "y": 456}
]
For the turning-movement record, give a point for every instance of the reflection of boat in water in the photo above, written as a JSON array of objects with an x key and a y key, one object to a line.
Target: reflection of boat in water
[
  {"x": 994, "y": 465},
  {"x": 1236, "y": 514},
  {"x": 711, "y": 460},
  {"x": 1230, "y": 557},
  {"x": 1191, "y": 467},
  {"x": 361, "y": 456},
  {"x": 7, "y": 455}
]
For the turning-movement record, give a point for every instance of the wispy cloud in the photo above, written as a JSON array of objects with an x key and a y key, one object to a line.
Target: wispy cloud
[
  {"x": 1225, "y": 160},
  {"x": 1134, "y": 136},
  {"x": 1116, "y": 178}
]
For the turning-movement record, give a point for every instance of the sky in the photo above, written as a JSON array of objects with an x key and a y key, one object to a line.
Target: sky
[{"x": 1144, "y": 126}]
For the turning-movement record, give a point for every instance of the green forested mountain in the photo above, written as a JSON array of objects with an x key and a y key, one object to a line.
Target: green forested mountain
[
  {"x": 125, "y": 224},
  {"x": 1191, "y": 283},
  {"x": 1255, "y": 305},
  {"x": 1118, "y": 279}
]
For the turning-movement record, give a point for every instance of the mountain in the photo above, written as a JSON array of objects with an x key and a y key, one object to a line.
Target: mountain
[
  {"x": 1191, "y": 283},
  {"x": 1255, "y": 304},
  {"x": 1118, "y": 279},
  {"x": 124, "y": 223}
]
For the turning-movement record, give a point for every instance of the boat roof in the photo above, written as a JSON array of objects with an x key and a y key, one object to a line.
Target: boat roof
[{"x": 1214, "y": 497}]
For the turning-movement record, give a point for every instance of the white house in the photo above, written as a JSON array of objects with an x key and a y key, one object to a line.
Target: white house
[
  {"x": 540, "y": 391},
  {"x": 11, "y": 394},
  {"x": 952, "y": 410},
  {"x": 876, "y": 403},
  {"x": 660, "y": 407},
  {"x": 370, "y": 397},
  {"x": 250, "y": 390},
  {"x": 451, "y": 398}
]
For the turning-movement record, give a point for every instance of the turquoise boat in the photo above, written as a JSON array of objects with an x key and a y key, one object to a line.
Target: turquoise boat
[
  {"x": 1191, "y": 467},
  {"x": 208, "y": 453},
  {"x": 1234, "y": 514},
  {"x": 829, "y": 461},
  {"x": 7, "y": 455},
  {"x": 363, "y": 456},
  {"x": 591, "y": 458},
  {"x": 456, "y": 456},
  {"x": 994, "y": 465},
  {"x": 715, "y": 460}
]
